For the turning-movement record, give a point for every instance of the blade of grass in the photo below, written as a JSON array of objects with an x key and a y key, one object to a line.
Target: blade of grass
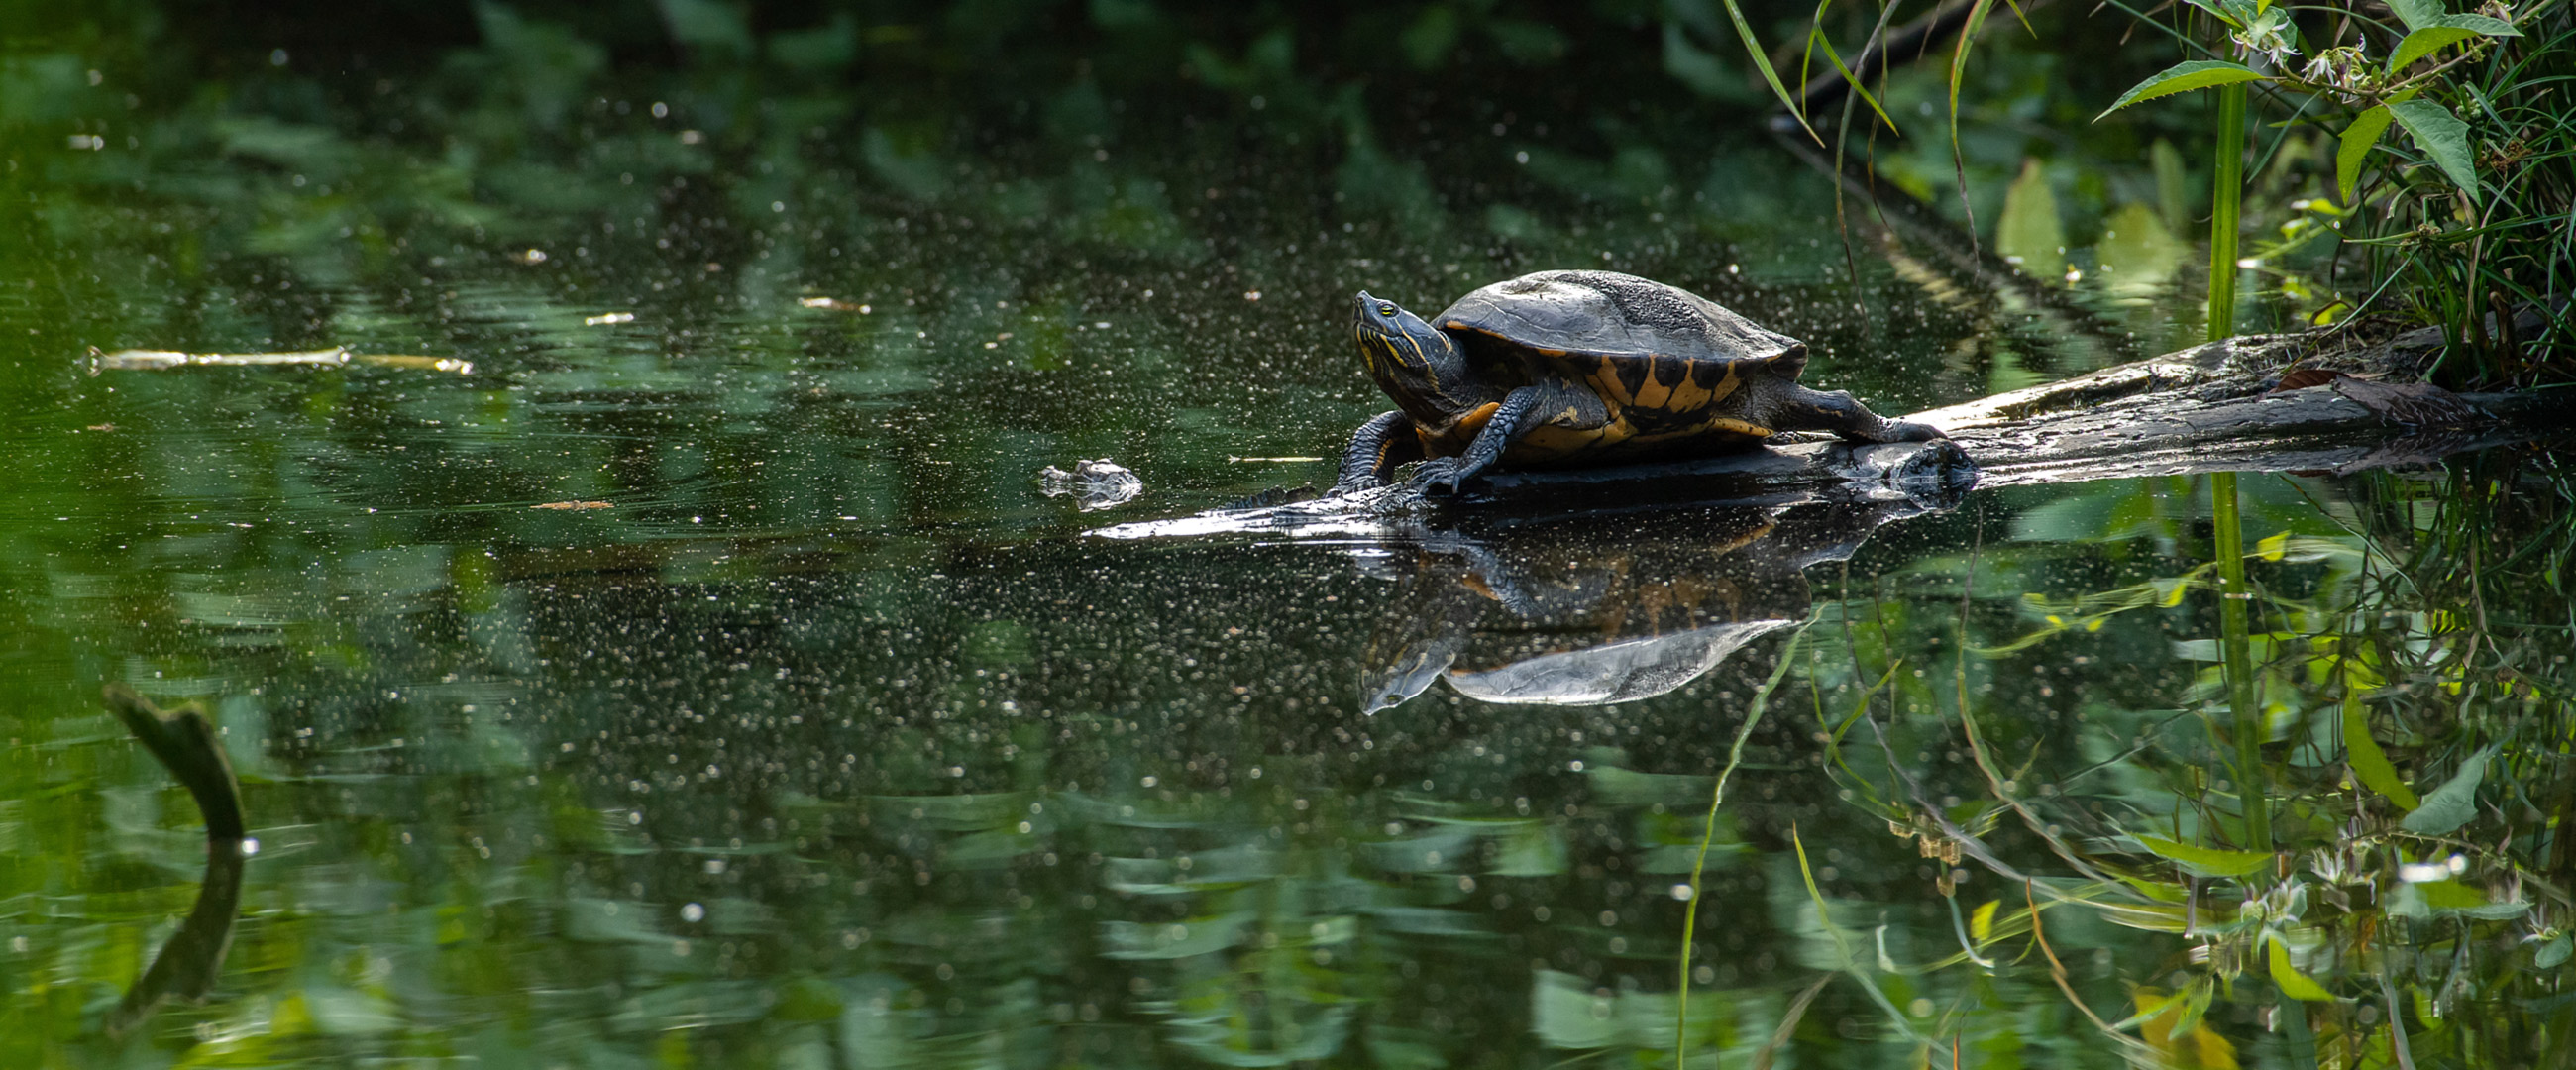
[
  {"x": 1842, "y": 947},
  {"x": 1708, "y": 834},
  {"x": 1789, "y": 1022},
  {"x": 1958, "y": 67},
  {"x": 2057, "y": 972},
  {"x": 1753, "y": 47}
]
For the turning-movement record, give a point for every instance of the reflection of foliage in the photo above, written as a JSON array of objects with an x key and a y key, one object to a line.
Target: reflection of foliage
[{"x": 2393, "y": 916}]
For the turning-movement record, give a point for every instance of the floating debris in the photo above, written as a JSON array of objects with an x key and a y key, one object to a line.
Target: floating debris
[
  {"x": 413, "y": 360},
  {"x": 606, "y": 318},
  {"x": 162, "y": 359},
  {"x": 158, "y": 359},
  {"x": 834, "y": 304},
  {"x": 532, "y": 256},
  {"x": 1095, "y": 484},
  {"x": 575, "y": 506}
]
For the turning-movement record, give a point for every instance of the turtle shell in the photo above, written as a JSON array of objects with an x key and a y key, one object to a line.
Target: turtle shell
[{"x": 1638, "y": 343}]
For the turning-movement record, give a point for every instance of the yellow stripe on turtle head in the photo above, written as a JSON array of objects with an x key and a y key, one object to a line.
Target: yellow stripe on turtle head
[{"x": 1424, "y": 360}]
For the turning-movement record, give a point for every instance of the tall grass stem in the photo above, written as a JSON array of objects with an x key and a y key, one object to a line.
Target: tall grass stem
[{"x": 1708, "y": 835}]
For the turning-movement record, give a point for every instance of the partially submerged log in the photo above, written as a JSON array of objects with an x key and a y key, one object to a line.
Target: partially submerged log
[{"x": 2260, "y": 403}]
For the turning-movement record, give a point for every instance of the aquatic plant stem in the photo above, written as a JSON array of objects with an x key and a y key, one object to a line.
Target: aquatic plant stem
[
  {"x": 2234, "y": 647},
  {"x": 2227, "y": 188},
  {"x": 1708, "y": 835}
]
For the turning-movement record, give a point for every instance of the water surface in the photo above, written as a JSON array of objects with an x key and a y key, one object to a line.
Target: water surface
[{"x": 701, "y": 677}]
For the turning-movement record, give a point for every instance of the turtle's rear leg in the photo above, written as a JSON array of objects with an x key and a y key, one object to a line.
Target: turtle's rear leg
[
  {"x": 1801, "y": 409},
  {"x": 1377, "y": 449}
]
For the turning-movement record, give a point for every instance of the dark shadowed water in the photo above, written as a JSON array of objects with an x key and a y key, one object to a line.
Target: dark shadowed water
[{"x": 670, "y": 657}]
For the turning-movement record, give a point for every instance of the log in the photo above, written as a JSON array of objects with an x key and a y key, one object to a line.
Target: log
[{"x": 2216, "y": 407}]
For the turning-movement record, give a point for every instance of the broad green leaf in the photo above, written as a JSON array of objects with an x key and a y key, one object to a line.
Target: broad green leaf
[
  {"x": 2553, "y": 953},
  {"x": 2443, "y": 137},
  {"x": 2294, "y": 984},
  {"x": 2425, "y": 42},
  {"x": 2417, "y": 14},
  {"x": 2370, "y": 764},
  {"x": 2454, "y": 803},
  {"x": 2185, "y": 77},
  {"x": 2448, "y": 31},
  {"x": 2482, "y": 24},
  {"x": 2207, "y": 861}
]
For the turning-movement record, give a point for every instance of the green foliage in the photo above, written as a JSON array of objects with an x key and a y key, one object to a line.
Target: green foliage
[
  {"x": 2184, "y": 77},
  {"x": 2450, "y": 806}
]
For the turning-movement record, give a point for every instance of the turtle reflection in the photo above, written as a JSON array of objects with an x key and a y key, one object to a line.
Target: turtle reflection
[{"x": 1592, "y": 610}]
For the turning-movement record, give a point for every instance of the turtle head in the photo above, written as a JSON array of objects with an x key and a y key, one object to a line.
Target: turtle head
[{"x": 1415, "y": 363}]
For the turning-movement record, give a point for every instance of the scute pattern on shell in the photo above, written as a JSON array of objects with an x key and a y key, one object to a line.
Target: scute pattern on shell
[{"x": 1605, "y": 312}]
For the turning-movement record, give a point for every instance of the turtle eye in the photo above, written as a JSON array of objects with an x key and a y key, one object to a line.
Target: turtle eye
[{"x": 1386, "y": 309}]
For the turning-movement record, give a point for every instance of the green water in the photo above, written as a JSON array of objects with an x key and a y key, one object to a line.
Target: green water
[{"x": 805, "y": 730}]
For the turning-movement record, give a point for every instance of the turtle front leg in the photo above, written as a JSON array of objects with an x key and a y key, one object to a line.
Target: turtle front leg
[
  {"x": 1377, "y": 449},
  {"x": 1801, "y": 409},
  {"x": 1522, "y": 411}
]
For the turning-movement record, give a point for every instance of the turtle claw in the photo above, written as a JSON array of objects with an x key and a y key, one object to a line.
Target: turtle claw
[
  {"x": 1910, "y": 431},
  {"x": 1438, "y": 478}
]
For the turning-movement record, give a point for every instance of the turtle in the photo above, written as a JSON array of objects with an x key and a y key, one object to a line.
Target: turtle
[{"x": 1562, "y": 368}]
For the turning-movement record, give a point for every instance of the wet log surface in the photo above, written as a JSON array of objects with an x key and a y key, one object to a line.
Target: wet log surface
[{"x": 2212, "y": 408}]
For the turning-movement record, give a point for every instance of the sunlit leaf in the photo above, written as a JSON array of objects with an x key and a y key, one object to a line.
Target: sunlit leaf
[
  {"x": 1982, "y": 924},
  {"x": 2443, "y": 137},
  {"x": 2452, "y": 805},
  {"x": 2183, "y": 78},
  {"x": 2207, "y": 861},
  {"x": 2370, "y": 765},
  {"x": 2293, "y": 984}
]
